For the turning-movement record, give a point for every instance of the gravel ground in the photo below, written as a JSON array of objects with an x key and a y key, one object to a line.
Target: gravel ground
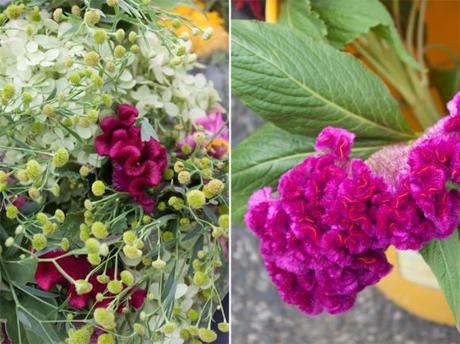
[{"x": 259, "y": 316}]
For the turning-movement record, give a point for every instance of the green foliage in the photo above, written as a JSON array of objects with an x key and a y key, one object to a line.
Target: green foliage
[
  {"x": 304, "y": 85},
  {"x": 263, "y": 157},
  {"x": 443, "y": 257}
]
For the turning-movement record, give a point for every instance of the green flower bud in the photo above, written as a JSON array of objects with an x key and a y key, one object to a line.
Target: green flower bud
[
  {"x": 104, "y": 250},
  {"x": 167, "y": 235},
  {"x": 120, "y": 35},
  {"x": 19, "y": 230},
  {"x": 100, "y": 36},
  {"x": 84, "y": 171},
  {"x": 224, "y": 221},
  {"x": 132, "y": 37},
  {"x": 184, "y": 177},
  {"x": 104, "y": 318},
  {"x": 75, "y": 78},
  {"x": 80, "y": 336},
  {"x": 127, "y": 278},
  {"x": 146, "y": 219},
  {"x": 84, "y": 232},
  {"x": 59, "y": 215},
  {"x": 168, "y": 328},
  {"x": 42, "y": 218},
  {"x": 119, "y": 51},
  {"x": 200, "y": 278},
  {"x": 33, "y": 169},
  {"x": 186, "y": 149},
  {"x": 61, "y": 157},
  {"x": 176, "y": 202},
  {"x": 106, "y": 338},
  {"x": 115, "y": 287},
  {"x": 27, "y": 98},
  {"x": 65, "y": 244},
  {"x": 99, "y": 230},
  {"x": 107, "y": 100},
  {"x": 178, "y": 166},
  {"x": 193, "y": 330},
  {"x": 83, "y": 287},
  {"x": 112, "y": 3},
  {"x": 132, "y": 252},
  {"x": 135, "y": 49},
  {"x": 129, "y": 237},
  {"x": 34, "y": 193},
  {"x": 196, "y": 199},
  {"x": 92, "y": 17},
  {"x": 223, "y": 327},
  {"x": 98, "y": 188},
  {"x": 11, "y": 212},
  {"x": 161, "y": 206},
  {"x": 57, "y": 14},
  {"x": 193, "y": 315},
  {"x": 207, "y": 335},
  {"x": 92, "y": 246},
  {"x": 88, "y": 204},
  {"x": 97, "y": 80},
  {"x": 168, "y": 174},
  {"x": 76, "y": 11},
  {"x": 8, "y": 92},
  {"x": 9, "y": 242},
  {"x": 159, "y": 264},
  {"x": 176, "y": 23},
  {"x": 39, "y": 241},
  {"x": 49, "y": 228},
  {"x": 104, "y": 279},
  {"x": 14, "y": 11},
  {"x": 184, "y": 334},
  {"x": 48, "y": 109},
  {"x": 94, "y": 259},
  {"x": 139, "y": 329},
  {"x": 213, "y": 188}
]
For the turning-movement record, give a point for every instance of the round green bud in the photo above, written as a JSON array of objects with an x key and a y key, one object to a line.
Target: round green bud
[
  {"x": 120, "y": 35},
  {"x": 161, "y": 206},
  {"x": 193, "y": 330},
  {"x": 186, "y": 149},
  {"x": 127, "y": 278},
  {"x": 99, "y": 230},
  {"x": 92, "y": 17},
  {"x": 107, "y": 100},
  {"x": 9, "y": 242},
  {"x": 178, "y": 166},
  {"x": 61, "y": 157},
  {"x": 119, "y": 51},
  {"x": 112, "y": 3},
  {"x": 193, "y": 315},
  {"x": 184, "y": 177},
  {"x": 98, "y": 188},
  {"x": 104, "y": 279},
  {"x": 92, "y": 246},
  {"x": 223, "y": 327},
  {"x": 207, "y": 335},
  {"x": 115, "y": 286},
  {"x": 84, "y": 171},
  {"x": 146, "y": 219},
  {"x": 88, "y": 204},
  {"x": 176, "y": 202},
  {"x": 65, "y": 244},
  {"x": 34, "y": 193},
  {"x": 139, "y": 329},
  {"x": 129, "y": 237},
  {"x": 196, "y": 199},
  {"x": 83, "y": 287},
  {"x": 75, "y": 78},
  {"x": 14, "y": 11},
  {"x": 19, "y": 230},
  {"x": 224, "y": 221},
  {"x": 168, "y": 328},
  {"x": 202, "y": 254},
  {"x": 59, "y": 215},
  {"x": 132, "y": 37},
  {"x": 84, "y": 232},
  {"x": 106, "y": 338},
  {"x": 57, "y": 14},
  {"x": 80, "y": 336},
  {"x": 104, "y": 249},
  {"x": 11, "y": 212},
  {"x": 200, "y": 278},
  {"x": 42, "y": 218},
  {"x": 100, "y": 36},
  {"x": 132, "y": 252},
  {"x": 176, "y": 23},
  {"x": 213, "y": 188},
  {"x": 94, "y": 259},
  {"x": 104, "y": 318},
  {"x": 75, "y": 10},
  {"x": 184, "y": 334},
  {"x": 8, "y": 92},
  {"x": 168, "y": 174},
  {"x": 27, "y": 98},
  {"x": 49, "y": 228},
  {"x": 135, "y": 49},
  {"x": 33, "y": 169},
  {"x": 159, "y": 264}
]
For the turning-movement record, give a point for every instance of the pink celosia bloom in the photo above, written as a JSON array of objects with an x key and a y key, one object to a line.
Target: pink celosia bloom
[
  {"x": 214, "y": 126},
  {"x": 137, "y": 165},
  {"x": 319, "y": 239},
  {"x": 454, "y": 105}
]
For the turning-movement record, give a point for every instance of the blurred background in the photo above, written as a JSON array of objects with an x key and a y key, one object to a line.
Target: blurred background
[{"x": 258, "y": 314}]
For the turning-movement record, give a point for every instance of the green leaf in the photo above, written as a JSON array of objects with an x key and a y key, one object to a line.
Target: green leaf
[
  {"x": 297, "y": 14},
  {"x": 147, "y": 131},
  {"x": 8, "y": 312},
  {"x": 348, "y": 20},
  {"x": 443, "y": 257},
  {"x": 21, "y": 271},
  {"x": 270, "y": 151},
  {"x": 303, "y": 85},
  {"x": 447, "y": 81}
]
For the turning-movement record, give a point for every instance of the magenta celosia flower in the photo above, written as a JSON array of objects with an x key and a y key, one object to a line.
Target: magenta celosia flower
[
  {"x": 454, "y": 105},
  {"x": 137, "y": 165},
  {"x": 319, "y": 239},
  {"x": 213, "y": 124},
  {"x": 48, "y": 276}
]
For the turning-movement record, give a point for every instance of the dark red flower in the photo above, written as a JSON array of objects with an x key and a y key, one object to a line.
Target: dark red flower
[{"x": 256, "y": 7}]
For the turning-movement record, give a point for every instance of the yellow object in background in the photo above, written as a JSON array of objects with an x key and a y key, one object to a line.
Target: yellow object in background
[
  {"x": 411, "y": 284},
  {"x": 203, "y": 20}
]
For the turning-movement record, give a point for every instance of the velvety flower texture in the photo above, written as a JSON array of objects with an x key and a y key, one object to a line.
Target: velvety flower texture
[
  {"x": 320, "y": 237},
  {"x": 214, "y": 125},
  {"x": 47, "y": 276},
  {"x": 137, "y": 165}
]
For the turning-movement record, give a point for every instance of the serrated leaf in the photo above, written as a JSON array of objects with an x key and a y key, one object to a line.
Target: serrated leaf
[
  {"x": 147, "y": 131},
  {"x": 347, "y": 20},
  {"x": 443, "y": 257},
  {"x": 270, "y": 151},
  {"x": 21, "y": 271},
  {"x": 297, "y": 14},
  {"x": 304, "y": 85}
]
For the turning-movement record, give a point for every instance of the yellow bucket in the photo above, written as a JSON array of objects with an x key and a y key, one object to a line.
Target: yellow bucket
[{"x": 411, "y": 284}]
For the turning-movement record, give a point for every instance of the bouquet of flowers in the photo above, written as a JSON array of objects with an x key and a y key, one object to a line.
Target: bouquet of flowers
[
  {"x": 113, "y": 177},
  {"x": 339, "y": 173}
]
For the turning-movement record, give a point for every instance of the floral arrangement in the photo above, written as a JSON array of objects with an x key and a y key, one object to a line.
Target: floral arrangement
[
  {"x": 113, "y": 177},
  {"x": 340, "y": 174}
]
